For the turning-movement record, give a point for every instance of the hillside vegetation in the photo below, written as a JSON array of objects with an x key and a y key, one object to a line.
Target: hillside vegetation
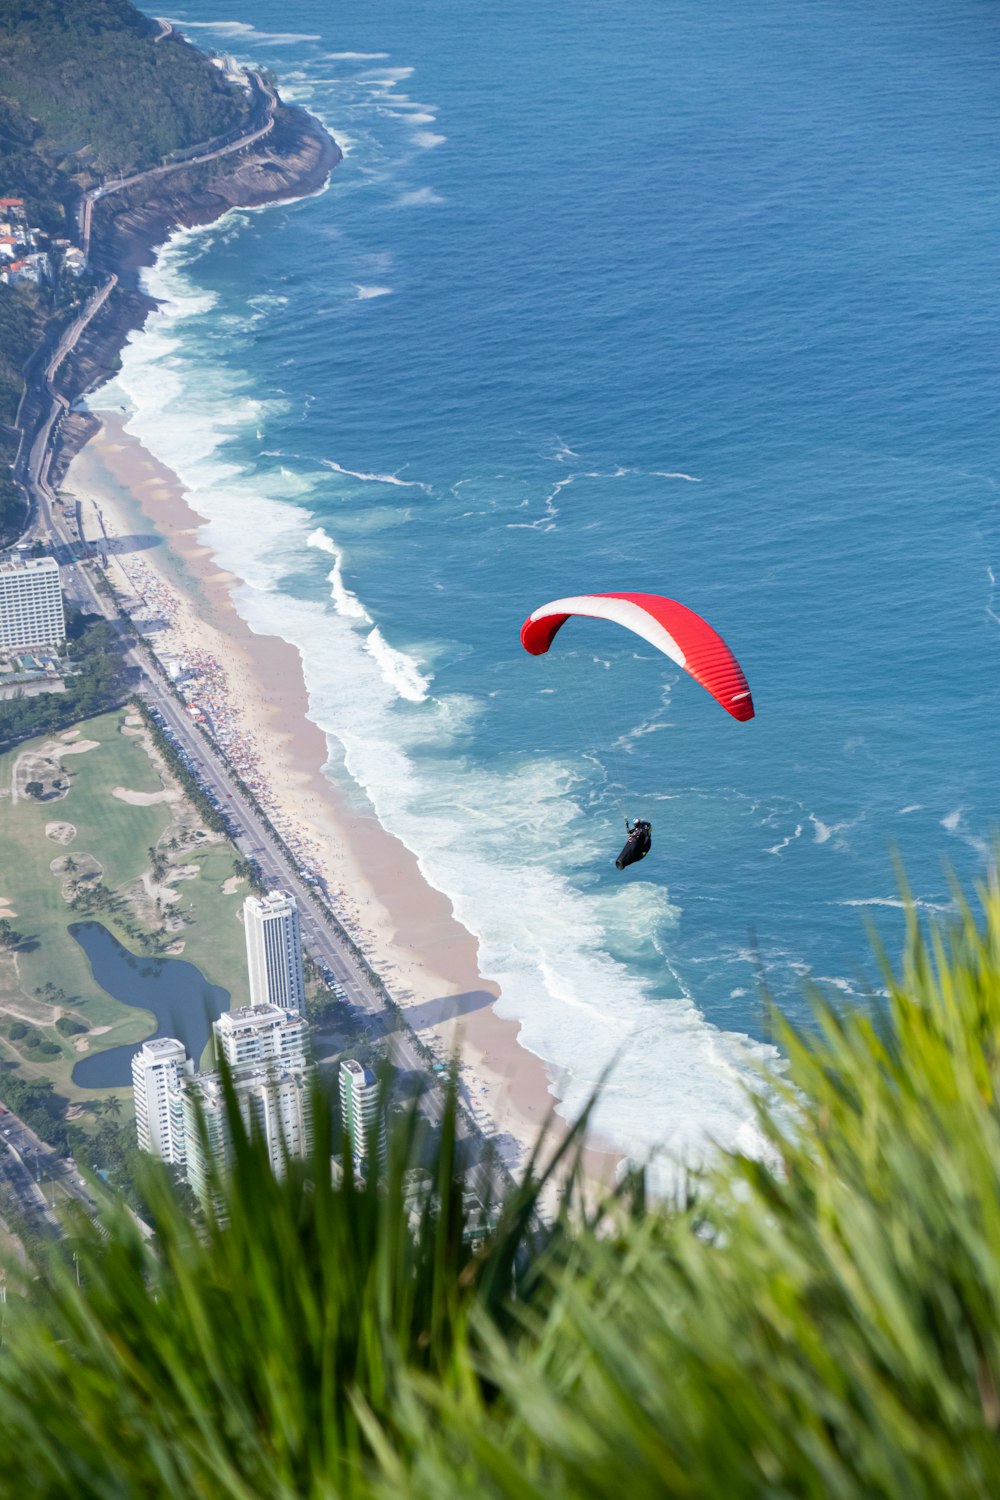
[
  {"x": 825, "y": 1323},
  {"x": 88, "y": 89},
  {"x": 106, "y": 96},
  {"x": 20, "y": 329}
]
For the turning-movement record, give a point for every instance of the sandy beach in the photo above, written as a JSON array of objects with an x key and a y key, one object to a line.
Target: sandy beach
[{"x": 252, "y": 691}]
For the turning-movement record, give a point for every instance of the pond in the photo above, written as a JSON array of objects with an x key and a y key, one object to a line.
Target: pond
[{"x": 177, "y": 993}]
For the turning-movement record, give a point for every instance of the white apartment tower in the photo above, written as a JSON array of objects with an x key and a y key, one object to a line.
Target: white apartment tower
[
  {"x": 31, "y": 604},
  {"x": 274, "y": 951},
  {"x": 262, "y": 1034},
  {"x": 274, "y": 1103},
  {"x": 360, "y": 1111},
  {"x": 157, "y": 1070}
]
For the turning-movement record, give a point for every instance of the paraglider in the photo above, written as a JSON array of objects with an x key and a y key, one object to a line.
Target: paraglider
[
  {"x": 638, "y": 845},
  {"x": 672, "y": 628}
]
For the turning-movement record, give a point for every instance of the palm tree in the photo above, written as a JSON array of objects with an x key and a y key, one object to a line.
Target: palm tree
[{"x": 112, "y": 1106}]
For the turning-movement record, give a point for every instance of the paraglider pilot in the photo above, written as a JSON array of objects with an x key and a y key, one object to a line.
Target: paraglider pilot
[{"x": 640, "y": 840}]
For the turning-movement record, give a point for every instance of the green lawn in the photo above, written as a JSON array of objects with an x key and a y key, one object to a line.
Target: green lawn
[{"x": 119, "y": 836}]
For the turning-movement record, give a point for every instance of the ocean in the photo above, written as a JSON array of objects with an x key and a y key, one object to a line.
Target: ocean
[{"x": 697, "y": 301}]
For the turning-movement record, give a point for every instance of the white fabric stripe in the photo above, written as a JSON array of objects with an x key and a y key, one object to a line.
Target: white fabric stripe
[{"x": 620, "y": 612}]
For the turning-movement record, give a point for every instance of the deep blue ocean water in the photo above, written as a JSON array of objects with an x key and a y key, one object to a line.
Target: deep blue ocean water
[{"x": 695, "y": 300}]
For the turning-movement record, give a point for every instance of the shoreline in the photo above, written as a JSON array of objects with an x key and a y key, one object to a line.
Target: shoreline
[
  {"x": 405, "y": 926},
  {"x": 129, "y": 230}
]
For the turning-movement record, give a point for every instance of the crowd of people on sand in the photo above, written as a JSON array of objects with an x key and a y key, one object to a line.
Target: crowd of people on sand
[{"x": 157, "y": 614}]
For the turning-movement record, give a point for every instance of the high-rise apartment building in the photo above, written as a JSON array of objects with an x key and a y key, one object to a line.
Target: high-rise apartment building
[
  {"x": 157, "y": 1071},
  {"x": 274, "y": 951},
  {"x": 208, "y": 1139},
  {"x": 360, "y": 1107},
  {"x": 275, "y": 1103},
  {"x": 262, "y": 1034},
  {"x": 31, "y": 604}
]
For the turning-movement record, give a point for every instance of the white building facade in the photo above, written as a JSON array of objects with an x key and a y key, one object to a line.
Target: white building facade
[
  {"x": 158, "y": 1069},
  {"x": 262, "y": 1034},
  {"x": 274, "y": 951},
  {"x": 31, "y": 604},
  {"x": 361, "y": 1112},
  {"x": 275, "y": 1105}
]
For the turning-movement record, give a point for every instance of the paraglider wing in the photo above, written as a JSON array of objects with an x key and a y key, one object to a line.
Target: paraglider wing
[{"x": 671, "y": 627}]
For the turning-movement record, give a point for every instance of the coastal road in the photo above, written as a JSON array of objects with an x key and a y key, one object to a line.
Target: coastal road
[
  {"x": 319, "y": 940},
  {"x": 211, "y": 151},
  {"x": 255, "y": 842},
  {"x": 251, "y": 835}
]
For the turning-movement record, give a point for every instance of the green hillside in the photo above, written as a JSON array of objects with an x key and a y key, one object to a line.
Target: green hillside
[{"x": 105, "y": 94}]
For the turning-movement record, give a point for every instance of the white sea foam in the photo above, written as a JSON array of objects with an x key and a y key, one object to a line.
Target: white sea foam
[
  {"x": 896, "y": 903},
  {"x": 843, "y": 985},
  {"x": 387, "y": 77},
  {"x": 345, "y": 601},
  {"x": 951, "y": 820},
  {"x": 826, "y": 831},
  {"x": 419, "y": 196},
  {"x": 428, "y": 139},
  {"x": 405, "y": 484},
  {"x": 480, "y": 833},
  {"x": 911, "y": 807},
  {"x": 365, "y": 293},
  {"x": 788, "y": 839},
  {"x": 353, "y": 56},
  {"x": 244, "y": 32},
  {"x": 676, "y": 474},
  {"x": 400, "y": 670}
]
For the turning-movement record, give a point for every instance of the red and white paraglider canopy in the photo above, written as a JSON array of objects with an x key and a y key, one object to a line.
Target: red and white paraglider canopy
[{"x": 672, "y": 628}]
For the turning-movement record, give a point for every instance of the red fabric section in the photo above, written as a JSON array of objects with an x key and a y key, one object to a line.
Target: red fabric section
[{"x": 707, "y": 657}]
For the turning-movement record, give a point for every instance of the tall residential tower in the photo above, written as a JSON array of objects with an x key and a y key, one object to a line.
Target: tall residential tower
[
  {"x": 157, "y": 1070},
  {"x": 274, "y": 951}
]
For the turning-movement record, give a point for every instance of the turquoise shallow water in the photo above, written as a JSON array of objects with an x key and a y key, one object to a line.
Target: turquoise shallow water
[{"x": 701, "y": 305}]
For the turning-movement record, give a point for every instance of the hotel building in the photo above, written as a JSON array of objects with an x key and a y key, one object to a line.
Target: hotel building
[{"x": 31, "y": 604}]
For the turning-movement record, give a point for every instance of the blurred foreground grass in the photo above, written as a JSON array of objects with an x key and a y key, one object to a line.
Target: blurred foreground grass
[{"x": 822, "y": 1324}]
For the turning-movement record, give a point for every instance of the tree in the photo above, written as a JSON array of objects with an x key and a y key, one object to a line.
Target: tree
[
  {"x": 10, "y": 938},
  {"x": 112, "y": 1106},
  {"x": 35, "y": 789}
]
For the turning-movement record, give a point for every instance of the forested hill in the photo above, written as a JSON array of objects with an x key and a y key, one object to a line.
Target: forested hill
[
  {"x": 92, "y": 90},
  {"x": 88, "y": 89}
]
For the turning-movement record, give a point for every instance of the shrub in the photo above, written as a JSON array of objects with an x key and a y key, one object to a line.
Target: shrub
[
  {"x": 70, "y": 1026},
  {"x": 33, "y": 1040},
  {"x": 49, "y": 1048},
  {"x": 17, "y": 1031},
  {"x": 819, "y": 1321}
]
